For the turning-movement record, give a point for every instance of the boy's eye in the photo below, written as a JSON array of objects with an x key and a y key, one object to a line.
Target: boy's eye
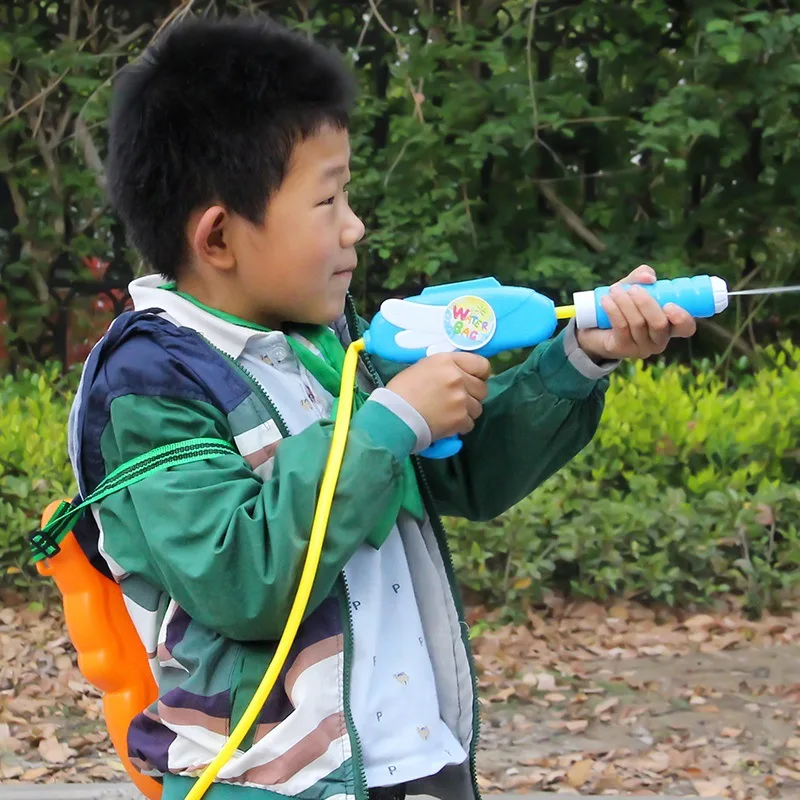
[{"x": 331, "y": 200}]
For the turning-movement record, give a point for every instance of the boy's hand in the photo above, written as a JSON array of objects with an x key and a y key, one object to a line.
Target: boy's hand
[
  {"x": 640, "y": 327},
  {"x": 447, "y": 389}
]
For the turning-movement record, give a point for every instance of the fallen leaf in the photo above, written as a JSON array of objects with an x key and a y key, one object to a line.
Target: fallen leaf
[
  {"x": 619, "y": 612},
  {"x": 699, "y": 742},
  {"x": 545, "y": 682},
  {"x": 784, "y": 772},
  {"x": 712, "y": 788},
  {"x": 576, "y": 725},
  {"x": 64, "y": 662},
  {"x": 10, "y": 771},
  {"x": 579, "y": 773},
  {"x": 699, "y": 621},
  {"x": 34, "y": 774},
  {"x": 53, "y": 752},
  {"x": 733, "y": 733},
  {"x": 605, "y": 705},
  {"x": 104, "y": 772},
  {"x": 8, "y": 744},
  {"x": 696, "y": 700}
]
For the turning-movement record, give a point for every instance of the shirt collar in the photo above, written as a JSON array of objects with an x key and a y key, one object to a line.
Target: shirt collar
[{"x": 227, "y": 336}]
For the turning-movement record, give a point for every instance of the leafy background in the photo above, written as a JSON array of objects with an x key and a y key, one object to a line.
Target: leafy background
[{"x": 552, "y": 144}]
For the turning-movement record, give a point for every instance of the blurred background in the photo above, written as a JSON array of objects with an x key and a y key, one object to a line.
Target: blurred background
[
  {"x": 635, "y": 600},
  {"x": 552, "y": 144}
]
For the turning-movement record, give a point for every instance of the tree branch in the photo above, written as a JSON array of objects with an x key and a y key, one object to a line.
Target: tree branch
[
  {"x": 90, "y": 153},
  {"x": 39, "y": 96},
  {"x": 74, "y": 19},
  {"x": 572, "y": 220},
  {"x": 724, "y": 333}
]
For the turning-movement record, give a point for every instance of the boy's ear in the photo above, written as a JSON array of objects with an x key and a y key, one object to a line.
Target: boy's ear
[{"x": 211, "y": 238}]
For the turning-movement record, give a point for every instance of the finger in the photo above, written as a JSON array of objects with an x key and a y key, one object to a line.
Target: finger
[
  {"x": 683, "y": 323},
  {"x": 476, "y": 387},
  {"x": 633, "y": 317},
  {"x": 466, "y": 425},
  {"x": 615, "y": 316},
  {"x": 473, "y": 365},
  {"x": 474, "y": 408},
  {"x": 657, "y": 321},
  {"x": 642, "y": 274}
]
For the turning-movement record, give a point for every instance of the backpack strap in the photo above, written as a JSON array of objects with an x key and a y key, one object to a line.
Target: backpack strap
[{"x": 44, "y": 542}]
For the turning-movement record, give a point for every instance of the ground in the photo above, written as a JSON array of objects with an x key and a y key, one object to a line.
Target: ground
[{"x": 620, "y": 699}]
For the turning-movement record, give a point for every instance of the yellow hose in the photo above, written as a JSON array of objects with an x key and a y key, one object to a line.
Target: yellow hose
[
  {"x": 565, "y": 312},
  {"x": 319, "y": 527}
]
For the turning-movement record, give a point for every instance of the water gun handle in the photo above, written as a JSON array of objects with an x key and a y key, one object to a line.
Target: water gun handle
[
  {"x": 443, "y": 448},
  {"x": 702, "y": 296}
]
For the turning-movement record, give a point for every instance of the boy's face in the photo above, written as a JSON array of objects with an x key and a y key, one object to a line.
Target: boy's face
[{"x": 297, "y": 266}]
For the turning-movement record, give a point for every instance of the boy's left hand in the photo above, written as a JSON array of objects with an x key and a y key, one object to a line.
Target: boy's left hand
[{"x": 640, "y": 327}]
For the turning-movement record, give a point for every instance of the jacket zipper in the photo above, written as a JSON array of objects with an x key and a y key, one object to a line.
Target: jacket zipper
[
  {"x": 361, "y": 789},
  {"x": 444, "y": 549},
  {"x": 254, "y": 383}
]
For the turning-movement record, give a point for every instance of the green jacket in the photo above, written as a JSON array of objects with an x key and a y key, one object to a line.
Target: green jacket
[{"x": 208, "y": 554}]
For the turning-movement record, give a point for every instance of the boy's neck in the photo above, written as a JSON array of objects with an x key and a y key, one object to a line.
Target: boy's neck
[{"x": 228, "y": 302}]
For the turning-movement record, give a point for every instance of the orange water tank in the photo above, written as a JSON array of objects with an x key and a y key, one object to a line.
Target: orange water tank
[{"x": 110, "y": 654}]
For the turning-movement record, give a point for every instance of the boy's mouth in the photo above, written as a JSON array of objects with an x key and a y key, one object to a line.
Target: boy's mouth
[{"x": 345, "y": 270}]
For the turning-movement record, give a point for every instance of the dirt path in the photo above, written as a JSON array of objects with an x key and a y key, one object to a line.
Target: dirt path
[
  {"x": 576, "y": 701},
  {"x": 580, "y": 697},
  {"x": 720, "y": 724}
]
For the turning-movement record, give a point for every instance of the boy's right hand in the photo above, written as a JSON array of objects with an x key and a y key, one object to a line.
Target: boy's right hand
[{"x": 447, "y": 389}]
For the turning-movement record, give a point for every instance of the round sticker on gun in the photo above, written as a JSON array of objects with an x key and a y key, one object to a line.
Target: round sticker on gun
[{"x": 469, "y": 322}]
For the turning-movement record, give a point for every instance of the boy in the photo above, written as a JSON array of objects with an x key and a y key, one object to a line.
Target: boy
[{"x": 228, "y": 162}]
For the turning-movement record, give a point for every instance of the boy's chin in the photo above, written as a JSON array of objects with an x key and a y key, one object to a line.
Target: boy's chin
[{"x": 324, "y": 316}]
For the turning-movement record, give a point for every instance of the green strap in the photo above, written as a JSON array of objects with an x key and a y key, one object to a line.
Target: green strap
[
  {"x": 44, "y": 543},
  {"x": 328, "y": 371}
]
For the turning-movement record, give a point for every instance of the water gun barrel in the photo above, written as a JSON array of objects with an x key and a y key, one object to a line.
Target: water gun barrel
[{"x": 702, "y": 296}]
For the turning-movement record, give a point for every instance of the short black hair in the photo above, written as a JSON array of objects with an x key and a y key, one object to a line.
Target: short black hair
[{"x": 211, "y": 113}]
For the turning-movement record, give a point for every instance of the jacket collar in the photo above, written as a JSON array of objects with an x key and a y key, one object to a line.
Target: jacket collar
[{"x": 232, "y": 339}]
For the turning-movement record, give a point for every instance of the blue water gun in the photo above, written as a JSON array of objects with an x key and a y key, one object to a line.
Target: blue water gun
[{"x": 484, "y": 317}]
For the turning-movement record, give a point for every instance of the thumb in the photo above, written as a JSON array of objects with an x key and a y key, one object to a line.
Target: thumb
[{"x": 478, "y": 366}]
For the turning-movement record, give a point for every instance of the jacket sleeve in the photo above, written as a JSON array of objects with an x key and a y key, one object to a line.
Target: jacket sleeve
[
  {"x": 536, "y": 418},
  {"x": 226, "y": 545}
]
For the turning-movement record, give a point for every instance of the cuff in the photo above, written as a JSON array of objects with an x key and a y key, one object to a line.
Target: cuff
[
  {"x": 581, "y": 361},
  {"x": 407, "y": 413},
  {"x": 385, "y": 429},
  {"x": 566, "y": 371}
]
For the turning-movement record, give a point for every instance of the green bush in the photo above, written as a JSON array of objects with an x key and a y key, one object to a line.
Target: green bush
[
  {"x": 34, "y": 466},
  {"x": 689, "y": 489}
]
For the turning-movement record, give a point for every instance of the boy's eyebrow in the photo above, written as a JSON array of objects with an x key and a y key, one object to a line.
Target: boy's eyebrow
[{"x": 334, "y": 171}]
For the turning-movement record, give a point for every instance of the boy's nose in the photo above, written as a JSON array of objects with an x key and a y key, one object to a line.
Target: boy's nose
[{"x": 353, "y": 231}]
